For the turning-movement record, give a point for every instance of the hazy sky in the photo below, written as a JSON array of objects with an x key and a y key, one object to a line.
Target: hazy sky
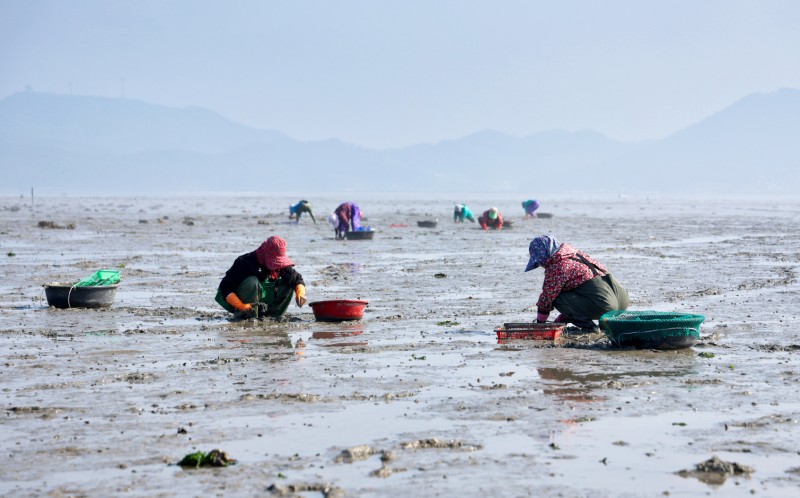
[{"x": 390, "y": 73}]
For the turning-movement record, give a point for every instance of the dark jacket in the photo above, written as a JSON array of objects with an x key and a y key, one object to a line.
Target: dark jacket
[{"x": 247, "y": 265}]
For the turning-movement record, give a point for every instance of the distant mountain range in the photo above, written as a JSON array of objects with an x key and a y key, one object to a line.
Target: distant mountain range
[{"x": 81, "y": 144}]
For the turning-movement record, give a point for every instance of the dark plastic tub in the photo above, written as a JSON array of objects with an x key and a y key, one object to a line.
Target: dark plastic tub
[
  {"x": 68, "y": 296},
  {"x": 427, "y": 223},
  {"x": 654, "y": 340},
  {"x": 338, "y": 310},
  {"x": 360, "y": 235}
]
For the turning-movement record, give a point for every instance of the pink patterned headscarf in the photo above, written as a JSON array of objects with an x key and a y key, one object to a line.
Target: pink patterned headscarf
[{"x": 272, "y": 254}]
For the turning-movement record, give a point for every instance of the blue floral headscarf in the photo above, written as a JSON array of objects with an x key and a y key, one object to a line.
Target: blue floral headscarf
[{"x": 541, "y": 249}]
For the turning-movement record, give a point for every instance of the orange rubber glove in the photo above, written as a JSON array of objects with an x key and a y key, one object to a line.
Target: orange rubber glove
[
  {"x": 300, "y": 297},
  {"x": 237, "y": 303}
]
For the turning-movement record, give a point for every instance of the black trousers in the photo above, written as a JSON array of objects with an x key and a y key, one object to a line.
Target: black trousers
[{"x": 591, "y": 299}]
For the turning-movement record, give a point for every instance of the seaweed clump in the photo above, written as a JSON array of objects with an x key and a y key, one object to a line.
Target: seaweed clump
[{"x": 214, "y": 458}]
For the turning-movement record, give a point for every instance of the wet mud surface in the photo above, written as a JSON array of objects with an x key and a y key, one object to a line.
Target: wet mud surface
[{"x": 418, "y": 398}]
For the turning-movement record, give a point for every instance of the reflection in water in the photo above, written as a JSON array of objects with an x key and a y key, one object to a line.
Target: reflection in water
[
  {"x": 333, "y": 331},
  {"x": 300, "y": 347},
  {"x": 605, "y": 377},
  {"x": 254, "y": 333},
  {"x": 571, "y": 385},
  {"x": 577, "y": 386},
  {"x": 338, "y": 331}
]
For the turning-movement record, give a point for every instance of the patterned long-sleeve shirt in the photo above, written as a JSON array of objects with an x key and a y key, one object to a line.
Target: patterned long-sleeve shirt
[{"x": 564, "y": 271}]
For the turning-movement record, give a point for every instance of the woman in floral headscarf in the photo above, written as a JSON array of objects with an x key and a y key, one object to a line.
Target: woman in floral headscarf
[
  {"x": 262, "y": 282},
  {"x": 579, "y": 287}
]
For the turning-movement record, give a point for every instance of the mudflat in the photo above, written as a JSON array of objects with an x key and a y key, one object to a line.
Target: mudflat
[{"x": 417, "y": 398}]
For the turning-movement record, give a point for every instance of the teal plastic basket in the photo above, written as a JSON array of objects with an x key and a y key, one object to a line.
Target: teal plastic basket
[
  {"x": 99, "y": 278},
  {"x": 652, "y": 329}
]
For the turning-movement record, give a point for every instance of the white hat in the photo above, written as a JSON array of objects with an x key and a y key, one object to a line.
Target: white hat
[{"x": 333, "y": 220}]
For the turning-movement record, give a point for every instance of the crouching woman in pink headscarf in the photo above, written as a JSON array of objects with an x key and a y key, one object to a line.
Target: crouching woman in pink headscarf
[{"x": 262, "y": 282}]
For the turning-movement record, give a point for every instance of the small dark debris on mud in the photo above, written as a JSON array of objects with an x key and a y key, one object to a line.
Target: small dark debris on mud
[
  {"x": 773, "y": 348},
  {"x": 53, "y": 224},
  {"x": 386, "y": 471},
  {"x": 714, "y": 471},
  {"x": 377, "y": 397},
  {"x": 438, "y": 443},
  {"x": 214, "y": 458},
  {"x": 306, "y": 398},
  {"x": 44, "y": 412},
  {"x": 327, "y": 490},
  {"x": 700, "y": 382},
  {"x": 714, "y": 464},
  {"x": 355, "y": 453},
  {"x": 494, "y": 386},
  {"x": 139, "y": 378},
  {"x": 439, "y": 275},
  {"x": 765, "y": 421}
]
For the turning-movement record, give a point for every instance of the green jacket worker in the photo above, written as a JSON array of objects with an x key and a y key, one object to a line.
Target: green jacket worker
[
  {"x": 262, "y": 282},
  {"x": 298, "y": 209}
]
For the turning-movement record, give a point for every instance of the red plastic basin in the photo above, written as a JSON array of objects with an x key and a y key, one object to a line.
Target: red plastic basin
[{"x": 338, "y": 310}]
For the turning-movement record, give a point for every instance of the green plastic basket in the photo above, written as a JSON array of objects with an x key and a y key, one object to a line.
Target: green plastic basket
[
  {"x": 652, "y": 329},
  {"x": 99, "y": 278}
]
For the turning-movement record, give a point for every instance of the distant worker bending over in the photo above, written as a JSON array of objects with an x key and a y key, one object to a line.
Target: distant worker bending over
[
  {"x": 298, "y": 209},
  {"x": 346, "y": 216},
  {"x": 461, "y": 212},
  {"x": 530, "y": 206},
  {"x": 491, "y": 219}
]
